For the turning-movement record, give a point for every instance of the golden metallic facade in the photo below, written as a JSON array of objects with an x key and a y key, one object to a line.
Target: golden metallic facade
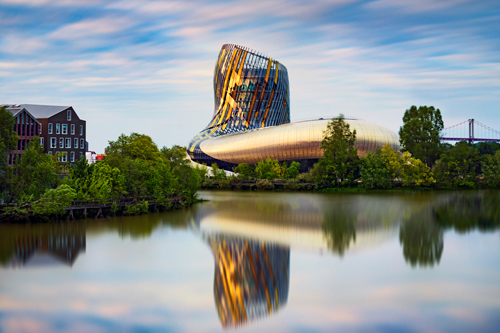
[
  {"x": 292, "y": 142},
  {"x": 251, "y": 121}
]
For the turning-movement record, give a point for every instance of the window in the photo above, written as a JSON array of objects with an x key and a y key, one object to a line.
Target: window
[
  {"x": 41, "y": 141},
  {"x": 65, "y": 129},
  {"x": 61, "y": 143},
  {"x": 72, "y": 129},
  {"x": 50, "y": 128},
  {"x": 81, "y": 154},
  {"x": 81, "y": 129},
  {"x": 72, "y": 155},
  {"x": 68, "y": 115},
  {"x": 82, "y": 144},
  {"x": 68, "y": 142},
  {"x": 58, "y": 156},
  {"x": 58, "y": 128},
  {"x": 50, "y": 152},
  {"x": 53, "y": 143},
  {"x": 76, "y": 143},
  {"x": 64, "y": 157}
]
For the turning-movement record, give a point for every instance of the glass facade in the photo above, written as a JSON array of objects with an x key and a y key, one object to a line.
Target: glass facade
[
  {"x": 251, "y": 119},
  {"x": 250, "y": 92}
]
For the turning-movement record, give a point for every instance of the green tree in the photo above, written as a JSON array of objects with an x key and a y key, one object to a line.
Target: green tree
[
  {"x": 491, "y": 170},
  {"x": 488, "y": 148},
  {"x": 8, "y": 142},
  {"x": 33, "y": 175},
  {"x": 134, "y": 146},
  {"x": 105, "y": 182},
  {"x": 263, "y": 169},
  {"x": 420, "y": 132},
  {"x": 374, "y": 171},
  {"x": 293, "y": 170},
  {"x": 339, "y": 165},
  {"x": 244, "y": 171},
  {"x": 460, "y": 167},
  {"x": 414, "y": 172},
  {"x": 53, "y": 201}
]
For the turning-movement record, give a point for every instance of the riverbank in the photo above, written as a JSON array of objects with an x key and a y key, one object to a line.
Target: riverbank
[{"x": 82, "y": 209}]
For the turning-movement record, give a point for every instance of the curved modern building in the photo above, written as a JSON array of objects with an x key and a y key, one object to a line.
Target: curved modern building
[{"x": 251, "y": 120}]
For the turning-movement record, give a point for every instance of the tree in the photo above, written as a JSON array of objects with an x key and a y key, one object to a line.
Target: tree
[
  {"x": 339, "y": 165},
  {"x": 414, "y": 172},
  {"x": 8, "y": 141},
  {"x": 460, "y": 167},
  {"x": 264, "y": 169},
  {"x": 33, "y": 175},
  {"x": 491, "y": 170},
  {"x": 135, "y": 146},
  {"x": 293, "y": 170},
  {"x": 420, "y": 132},
  {"x": 244, "y": 171},
  {"x": 374, "y": 172}
]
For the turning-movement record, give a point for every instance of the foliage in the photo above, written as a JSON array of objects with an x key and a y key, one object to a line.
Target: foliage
[
  {"x": 264, "y": 184},
  {"x": 374, "y": 172},
  {"x": 218, "y": 173},
  {"x": 54, "y": 201},
  {"x": 263, "y": 169},
  {"x": 419, "y": 134},
  {"x": 339, "y": 165},
  {"x": 8, "y": 142},
  {"x": 293, "y": 170},
  {"x": 134, "y": 146},
  {"x": 414, "y": 172},
  {"x": 33, "y": 175},
  {"x": 491, "y": 170},
  {"x": 460, "y": 167},
  {"x": 392, "y": 160},
  {"x": 137, "y": 209},
  {"x": 488, "y": 148},
  {"x": 186, "y": 180},
  {"x": 244, "y": 171}
]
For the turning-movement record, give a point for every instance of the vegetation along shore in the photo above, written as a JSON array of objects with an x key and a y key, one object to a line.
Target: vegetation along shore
[{"x": 137, "y": 177}]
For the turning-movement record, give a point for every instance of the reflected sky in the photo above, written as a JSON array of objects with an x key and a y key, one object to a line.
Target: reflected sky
[{"x": 427, "y": 261}]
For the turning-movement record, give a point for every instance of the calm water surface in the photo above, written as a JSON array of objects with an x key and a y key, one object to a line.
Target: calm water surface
[{"x": 246, "y": 261}]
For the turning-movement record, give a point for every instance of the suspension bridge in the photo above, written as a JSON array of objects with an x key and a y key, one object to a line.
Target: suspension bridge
[{"x": 470, "y": 130}]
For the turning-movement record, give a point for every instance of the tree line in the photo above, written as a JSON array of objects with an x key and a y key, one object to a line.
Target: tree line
[
  {"x": 422, "y": 162},
  {"x": 39, "y": 184}
]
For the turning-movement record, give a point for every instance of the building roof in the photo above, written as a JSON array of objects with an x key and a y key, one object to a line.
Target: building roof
[
  {"x": 40, "y": 111},
  {"x": 15, "y": 109}
]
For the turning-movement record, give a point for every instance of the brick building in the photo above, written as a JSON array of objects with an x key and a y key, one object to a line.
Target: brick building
[
  {"x": 26, "y": 127},
  {"x": 62, "y": 131}
]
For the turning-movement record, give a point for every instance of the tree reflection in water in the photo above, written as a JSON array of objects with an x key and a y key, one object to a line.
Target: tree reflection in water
[
  {"x": 422, "y": 241},
  {"x": 466, "y": 211},
  {"x": 339, "y": 229}
]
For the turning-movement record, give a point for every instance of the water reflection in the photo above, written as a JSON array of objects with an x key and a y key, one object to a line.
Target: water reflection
[
  {"x": 251, "y": 278},
  {"x": 466, "y": 211},
  {"x": 422, "y": 240},
  {"x": 43, "y": 245}
]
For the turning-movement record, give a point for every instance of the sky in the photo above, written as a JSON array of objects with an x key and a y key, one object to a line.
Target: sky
[{"x": 147, "y": 66}]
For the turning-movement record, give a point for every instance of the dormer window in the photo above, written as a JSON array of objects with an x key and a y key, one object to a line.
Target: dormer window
[{"x": 68, "y": 114}]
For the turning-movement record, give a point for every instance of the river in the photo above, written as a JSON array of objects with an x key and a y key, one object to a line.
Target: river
[{"x": 258, "y": 261}]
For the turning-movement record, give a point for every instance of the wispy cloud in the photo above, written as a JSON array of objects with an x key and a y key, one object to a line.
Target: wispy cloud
[{"x": 362, "y": 58}]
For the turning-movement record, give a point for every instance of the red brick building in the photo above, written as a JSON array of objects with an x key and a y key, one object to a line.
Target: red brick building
[
  {"x": 26, "y": 127},
  {"x": 62, "y": 130}
]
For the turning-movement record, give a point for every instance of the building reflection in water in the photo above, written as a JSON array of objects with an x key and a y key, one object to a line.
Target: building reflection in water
[
  {"x": 48, "y": 245},
  {"x": 251, "y": 278}
]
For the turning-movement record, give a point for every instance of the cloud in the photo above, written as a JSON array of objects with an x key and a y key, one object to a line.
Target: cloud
[{"x": 92, "y": 27}]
